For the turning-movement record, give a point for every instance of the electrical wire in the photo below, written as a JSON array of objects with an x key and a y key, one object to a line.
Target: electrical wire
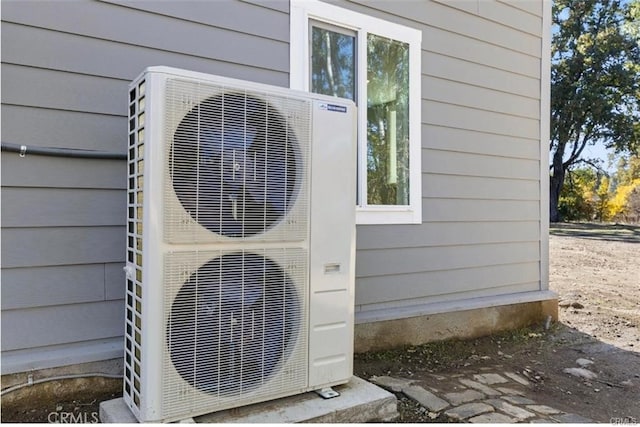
[
  {"x": 58, "y": 378},
  {"x": 23, "y": 150}
]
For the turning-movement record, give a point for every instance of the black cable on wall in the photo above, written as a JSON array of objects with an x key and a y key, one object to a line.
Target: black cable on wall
[{"x": 23, "y": 150}]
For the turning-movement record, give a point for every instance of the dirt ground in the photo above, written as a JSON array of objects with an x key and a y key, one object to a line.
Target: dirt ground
[{"x": 595, "y": 269}]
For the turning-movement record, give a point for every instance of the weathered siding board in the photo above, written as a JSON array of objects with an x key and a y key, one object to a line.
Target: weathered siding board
[
  {"x": 446, "y": 234},
  {"x": 384, "y": 289},
  {"x": 46, "y": 207},
  {"x": 44, "y": 326}
]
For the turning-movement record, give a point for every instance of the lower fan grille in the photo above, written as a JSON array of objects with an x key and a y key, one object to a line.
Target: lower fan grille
[{"x": 236, "y": 327}]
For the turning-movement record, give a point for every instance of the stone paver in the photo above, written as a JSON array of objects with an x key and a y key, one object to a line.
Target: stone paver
[
  {"x": 571, "y": 419},
  {"x": 490, "y": 379},
  {"x": 391, "y": 383},
  {"x": 543, "y": 409},
  {"x": 425, "y": 398},
  {"x": 518, "y": 400},
  {"x": 474, "y": 401},
  {"x": 510, "y": 391},
  {"x": 480, "y": 387},
  {"x": 463, "y": 397},
  {"x": 468, "y": 410},
  {"x": 509, "y": 409},
  {"x": 517, "y": 378},
  {"x": 492, "y": 418}
]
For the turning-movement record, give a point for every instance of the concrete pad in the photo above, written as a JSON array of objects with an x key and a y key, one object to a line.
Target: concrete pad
[
  {"x": 359, "y": 402},
  {"x": 116, "y": 411}
]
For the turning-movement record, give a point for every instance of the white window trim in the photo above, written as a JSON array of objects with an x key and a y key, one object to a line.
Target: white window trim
[{"x": 304, "y": 10}]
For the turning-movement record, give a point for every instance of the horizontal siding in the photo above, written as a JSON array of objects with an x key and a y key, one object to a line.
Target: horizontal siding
[
  {"x": 457, "y": 163},
  {"x": 479, "y": 210},
  {"x": 35, "y": 87},
  {"x": 474, "y": 187},
  {"x": 456, "y": 116},
  {"x": 86, "y": 54},
  {"x": 68, "y": 284},
  {"x": 469, "y": 141},
  {"x": 480, "y": 75},
  {"x": 44, "y": 326},
  {"x": 533, "y": 7},
  {"x": 428, "y": 284},
  {"x": 33, "y": 247},
  {"x": 452, "y": 92},
  {"x": 58, "y": 172},
  {"x": 385, "y": 262},
  {"x": 65, "y": 129},
  {"x": 65, "y": 72},
  {"x": 42, "y": 207},
  {"x": 124, "y": 24},
  {"x": 480, "y": 234},
  {"x": 445, "y": 234},
  {"x": 234, "y": 16}
]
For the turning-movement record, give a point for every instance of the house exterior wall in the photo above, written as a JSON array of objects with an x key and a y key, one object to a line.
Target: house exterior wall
[
  {"x": 483, "y": 237},
  {"x": 65, "y": 71}
]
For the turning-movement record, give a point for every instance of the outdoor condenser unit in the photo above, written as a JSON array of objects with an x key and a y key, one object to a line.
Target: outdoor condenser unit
[{"x": 241, "y": 243}]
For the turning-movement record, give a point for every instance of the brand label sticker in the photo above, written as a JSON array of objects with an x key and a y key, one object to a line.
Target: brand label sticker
[{"x": 334, "y": 107}]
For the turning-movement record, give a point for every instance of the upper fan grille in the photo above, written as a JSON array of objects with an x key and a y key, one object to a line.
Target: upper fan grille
[{"x": 236, "y": 164}]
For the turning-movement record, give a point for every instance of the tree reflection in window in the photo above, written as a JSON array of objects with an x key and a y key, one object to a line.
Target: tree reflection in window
[
  {"x": 387, "y": 121},
  {"x": 333, "y": 63}
]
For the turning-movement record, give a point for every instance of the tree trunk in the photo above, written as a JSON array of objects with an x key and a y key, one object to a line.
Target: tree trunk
[{"x": 556, "y": 181}]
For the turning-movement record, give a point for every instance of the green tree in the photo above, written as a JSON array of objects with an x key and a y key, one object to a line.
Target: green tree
[{"x": 595, "y": 83}]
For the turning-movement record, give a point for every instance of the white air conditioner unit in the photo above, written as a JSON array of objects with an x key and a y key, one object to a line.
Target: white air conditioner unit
[{"x": 241, "y": 243}]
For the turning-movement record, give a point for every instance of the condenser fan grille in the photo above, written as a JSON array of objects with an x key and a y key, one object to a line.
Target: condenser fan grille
[
  {"x": 235, "y": 325},
  {"x": 236, "y": 162}
]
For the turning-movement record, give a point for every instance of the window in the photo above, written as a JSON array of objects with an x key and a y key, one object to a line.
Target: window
[{"x": 375, "y": 63}]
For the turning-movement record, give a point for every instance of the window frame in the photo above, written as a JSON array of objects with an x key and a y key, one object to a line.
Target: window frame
[{"x": 303, "y": 13}]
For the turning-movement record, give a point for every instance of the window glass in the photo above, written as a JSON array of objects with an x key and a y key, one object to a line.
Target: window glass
[
  {"x": 333, "y": 61},
  {"x": 387, "y": 121}
]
